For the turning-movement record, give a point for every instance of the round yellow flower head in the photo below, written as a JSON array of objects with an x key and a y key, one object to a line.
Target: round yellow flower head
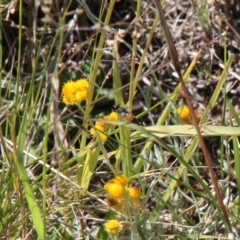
[
  {"x": 101, "y": 127},
  {"x": 75, "y": 92},
  {"x": 69, "y": 93},
  {"x": 83, "y": 93},
  {"x": 113, "y": 116},
  {"x": 101, "y": 124},
  {"x": 184, "y": 114},
  {"x": 134, "y": 193},
  {"x": 97, "y": 131},
  {"x": 122, "y": 180},
  {"x": 103, "y": 137},
  {"x": 114, "y": 189},
  {"x": 108, "y": 184},
  {"x": 113, "y": 227}
]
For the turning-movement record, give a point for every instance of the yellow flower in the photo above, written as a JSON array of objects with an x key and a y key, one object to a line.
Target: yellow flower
[
  {"x": 121, "y": 179},
  {"x": 82, "y": 86},
  {"x": 101, "y": 127},
  {"x": 114, "y": 189},
  {"x": 113, "y": 227},
  {"x": 101, "y": 124},
  {"x": 120, "y": 194},
  {"x": 98, "y": 130},
  {"x": 108, "y": 184},
  {"x": 75, "y": 92},
  {"x": 113, "y": 116},
  {"x": 184, "y": 114},
  {"x": 134, "y": 193},
  {"x": 69, "y": 92}
]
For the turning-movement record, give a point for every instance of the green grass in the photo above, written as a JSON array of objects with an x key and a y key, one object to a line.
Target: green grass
[{"x": 53, "y": 171}]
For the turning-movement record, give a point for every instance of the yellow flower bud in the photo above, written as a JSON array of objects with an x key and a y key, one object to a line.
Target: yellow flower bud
[
  {"x": 114, "y": 189},
  {"x": 121, "y": 179},
  {"x": 134, "y": 193},
  {"x": 184, "y": 114},
  {"x": 113, "y": 227},
  {"x": 98, "y": 130},
  {"x": 113, "y": 116}
]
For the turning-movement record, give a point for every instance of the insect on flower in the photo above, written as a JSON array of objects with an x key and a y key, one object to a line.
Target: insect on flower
[{"x": 128, "y": 115}]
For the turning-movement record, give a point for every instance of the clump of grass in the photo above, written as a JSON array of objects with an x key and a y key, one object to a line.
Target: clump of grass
[
  {"x": 72, "y": 168},
  {"x": 204, "y": 17}
]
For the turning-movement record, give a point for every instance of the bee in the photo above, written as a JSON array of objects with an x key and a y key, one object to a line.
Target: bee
[{"x": 126, "y": 114}]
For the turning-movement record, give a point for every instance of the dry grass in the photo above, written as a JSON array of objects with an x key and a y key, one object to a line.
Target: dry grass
[{"x": 52, "y": 169}]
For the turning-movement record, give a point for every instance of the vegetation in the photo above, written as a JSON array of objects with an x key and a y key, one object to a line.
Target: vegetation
[{"x": 119, "y": 120}]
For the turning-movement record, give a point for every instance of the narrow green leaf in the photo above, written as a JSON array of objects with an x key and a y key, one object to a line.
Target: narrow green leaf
[
  {"x": 237, "y": 166},
  {"x": 89, "y": 166},
  {"x": 32, "y": 203}
]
